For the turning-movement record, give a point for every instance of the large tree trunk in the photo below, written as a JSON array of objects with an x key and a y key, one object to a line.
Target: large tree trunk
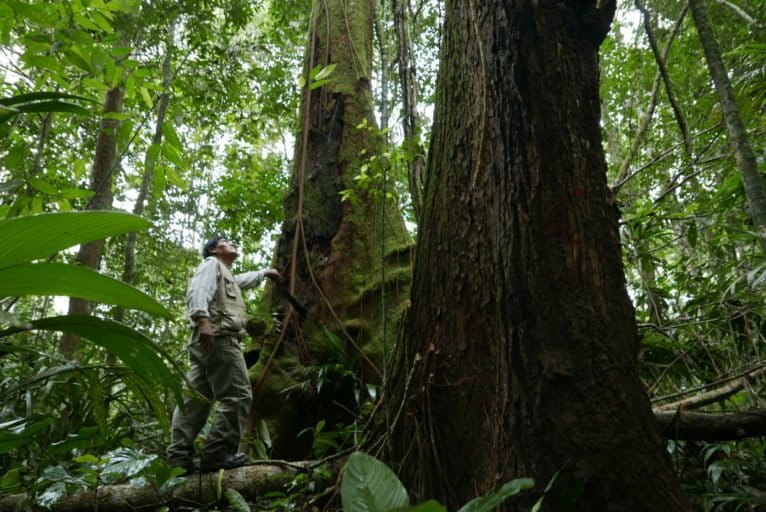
[
  {"x": 755, "y": 188},
  {"x": 344, "y": 260},
  {"x": 101, "y": 185},
  {"x": 519, "y": 357}
]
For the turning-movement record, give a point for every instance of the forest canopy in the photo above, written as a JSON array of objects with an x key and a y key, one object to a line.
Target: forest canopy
[{"x": 324, "y": 140}]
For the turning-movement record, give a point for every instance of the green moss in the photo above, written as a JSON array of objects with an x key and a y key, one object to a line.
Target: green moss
[{"x": 356, "y": 291}]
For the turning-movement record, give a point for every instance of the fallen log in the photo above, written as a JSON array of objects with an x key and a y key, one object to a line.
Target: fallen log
[
  {"x": 702, "y": 426},
  {"x": 250, "y": 481}
]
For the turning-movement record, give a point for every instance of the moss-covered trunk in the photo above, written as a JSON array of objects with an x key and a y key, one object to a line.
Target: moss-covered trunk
[
  {"x": 336, "y": 254},
  {"x": 519, "y": 357}
]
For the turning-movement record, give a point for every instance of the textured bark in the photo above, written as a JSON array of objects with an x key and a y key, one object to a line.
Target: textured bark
[
  {"x": 701, "y": 426},
  {"x": 101, "y": 184},
  {"x": 755, "y": 188},
  {"x": 250, "y": 481},
  {"x": 341, "y": 258},
  {"x": 519, "y": 357}
]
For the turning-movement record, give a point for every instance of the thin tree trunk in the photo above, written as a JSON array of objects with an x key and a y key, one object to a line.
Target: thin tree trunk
[
  {"x": 101, "y": 184},
  {"x": 677, "y": 112},
  {"x": 410, "y": 122},
  {"x": 385, "y": 73},
  {"x": 643, "y": 125},
  {"x": 128, "y": 274},
  {"x": 519, "y": 354},
  {"x": 45, "y": 131},
  {"x": 755, "y": 189}
]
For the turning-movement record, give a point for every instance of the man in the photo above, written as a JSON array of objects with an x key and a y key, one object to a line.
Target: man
[{"x": 218, "y": 370}]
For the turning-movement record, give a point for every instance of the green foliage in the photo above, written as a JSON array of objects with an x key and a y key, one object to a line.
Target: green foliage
[
  {"x": 90, "y": 472},
  {"x": 301, "y": 493},
  {"x": 72, "y": 281},
  {"x": 38, "y": 102},
  {"x": 146, "y": 363},
  {"x": 692, "y": 262},
  {"x": 693, "y": 266},
  {"x": 137, "y": 351},
  {"x": 382, "y": 175},
  {"x": 237, "y": 502},
  {"x": 325, "y": 441},
  {"x": 368, "y": 485},
  {"x": 494, "y": 500},
  {"x": 134, "y": 349},
  {"x": 39, "y": 236}
]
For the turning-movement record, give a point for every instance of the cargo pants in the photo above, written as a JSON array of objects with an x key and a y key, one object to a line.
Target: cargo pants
[{"x": 217, "y": 374}]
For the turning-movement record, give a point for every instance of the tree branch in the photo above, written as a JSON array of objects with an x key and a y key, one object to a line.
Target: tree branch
[
  {"x": 741, "y": 12},
  {"x": 647, "y": 118},
  {"x": 702, "y": 426},
  {"x": 679, "y": 115},
  {"x": 714, "y": 395}
]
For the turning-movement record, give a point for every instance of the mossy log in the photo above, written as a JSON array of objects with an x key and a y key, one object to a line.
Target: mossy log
[{"x": 250, "y": 481}]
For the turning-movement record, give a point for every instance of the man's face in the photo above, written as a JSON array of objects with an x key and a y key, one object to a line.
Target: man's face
[{"x": 225, "y": 250}]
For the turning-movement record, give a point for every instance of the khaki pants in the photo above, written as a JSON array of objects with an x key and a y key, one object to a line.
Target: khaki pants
[{"x": 218, "y": 374}]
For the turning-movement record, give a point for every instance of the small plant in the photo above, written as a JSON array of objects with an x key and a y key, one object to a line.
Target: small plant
[
  {"x": 301, "y": 493},
  {"x": 325, "y": 441},
  {"x": 91, "y": 472}
]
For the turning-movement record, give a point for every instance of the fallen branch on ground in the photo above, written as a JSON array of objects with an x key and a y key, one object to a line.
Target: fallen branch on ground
[{"x": 250, "y": 481}]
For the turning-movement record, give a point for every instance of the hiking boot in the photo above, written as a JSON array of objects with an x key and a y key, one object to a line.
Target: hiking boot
[{"x": 232, "y": 461}]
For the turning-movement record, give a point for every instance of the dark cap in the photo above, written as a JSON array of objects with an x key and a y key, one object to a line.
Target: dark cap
[{"x": 207, "y": 249}]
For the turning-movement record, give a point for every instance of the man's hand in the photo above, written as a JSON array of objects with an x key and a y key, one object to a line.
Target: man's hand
[
  {"x": 206, "y": 334},
  {"x": 274, "y": 275}
]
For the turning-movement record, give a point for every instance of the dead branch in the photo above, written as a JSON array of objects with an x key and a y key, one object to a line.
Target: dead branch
[{"x": 702, "y": 426}]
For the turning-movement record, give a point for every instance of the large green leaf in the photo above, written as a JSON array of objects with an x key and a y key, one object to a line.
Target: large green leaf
[
  {"x": 38, "y": 236},
  {"x": 37, "y": 96},
  {"x": 74, "y": 281},
  {"x": 15, "y": 105},
  {"x": 144, "y": 357},
  {"x": 428, "y": 506},
  {"x": 368, "y": 485},
  {"x": 51, "y": 106},
  {"x": 492, "y": 501}
]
